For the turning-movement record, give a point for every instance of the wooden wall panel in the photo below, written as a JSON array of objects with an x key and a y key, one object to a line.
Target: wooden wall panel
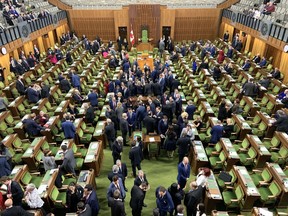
[
  {"x": 284, "y": 66},
  {"x": 5, "y": 63},
  {"x": 93, "y": 23},
  {"x": 40, "y": 44},
  {"x": 259, "y": 46},
  {"x": 121, "y": 19},
  {"x": 195, "y": 24},
  {"x": 272, "y": 51},
  {"x": 167, "y": 19},
  {"x": 28, "y": 47},
  {"x": 51, "y": 38}
]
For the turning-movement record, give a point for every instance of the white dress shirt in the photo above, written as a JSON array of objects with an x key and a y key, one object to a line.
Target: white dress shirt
[{"x": 33, "y": 199}]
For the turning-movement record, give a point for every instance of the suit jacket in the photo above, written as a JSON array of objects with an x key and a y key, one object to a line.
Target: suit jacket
[
  {"x": 117, "y": 207},
  {"x": 123, "y": 170},
  {"x": 45, "y": 91},
  {"x": 149, "y": 123},
  {"x": 75, "y": 80},
  {"x": 192, "y": 199},
  {"x": 137, "y": 198},
  {"x": 92, "y": 201},
  {"x": 138, "y": 181},
  {"x": 110, "y": 131},
  {"x": 31, "y": 127},
  {"x": 116, "y": 149},
  {"x": 216, "y": 133},
  {"x": 183, "y": 173},
  {"x": 68, "y": 129},
  {"x": 148, "y": 89},
  {"x": 123, "y": 125},
  {"x": 282, "y": 124},
  {"x": 65, "y": 85},
  {"x": 183, "y": 145},
  {"x": 111, "y": 174},
  {"x": 140, "y": 113},
  {"x": 93, "y": 98},
  {"x": 5, "y": 167},
  {"x": 190, "y": 109},
  {"x": 16, "y": 211},
  {"x": 131, "y": 119},
  {"x": 20, "y": 87},
  {"x": 112, "y": 187},
  {"x": 17, "y": 193},
  {"x": 135, "y": 155},
  {"x": 90, "y": 115},
  {"x": 69, "y": 162},
  {"x": 87, "y": 212},
  {"x": 162, "y": 128},
  {"x": 156, "y": 89},
  {"x": 249, "y": 89},
  {"x": 33, "y": 95}
]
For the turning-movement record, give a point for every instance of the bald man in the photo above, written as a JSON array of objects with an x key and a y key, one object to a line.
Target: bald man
[
  {"x": 14, "y": 210},
  {"x": 183, "y": 172}
]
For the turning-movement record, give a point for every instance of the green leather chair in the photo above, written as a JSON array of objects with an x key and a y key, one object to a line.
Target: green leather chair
[{"x": 144, "y": 36}]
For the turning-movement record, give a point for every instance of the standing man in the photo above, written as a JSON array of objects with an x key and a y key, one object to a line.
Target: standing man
[
  {"x": 161, "y": 47},
  {"x": 110, "y": 132},
  {"x": 91, "y": 199},
  {"x": 122, "y": 170},
  {"x": 164, "y": 201},
  {"x": 69, "y": 162},
  {"x": 183, "y": 144},
  {"x": 116, "y": 204},
  {"x": 135, "y": 155},
  {"x": 183, "y": 172},
  {"x": 68, "y": 128},
  {"x": 14, "y": 190},
  {"x": 193, "y": 198},
  {"x": 141, "y": 178},
  {"x": 137, "y": 198},
  {"x": 76, "y": 81},
  {"x": 124, "y": 128},
  {"x": 116, "y": 184},
  {"x": 117, "y": 149},
  {"x": 131, "y": 120}
]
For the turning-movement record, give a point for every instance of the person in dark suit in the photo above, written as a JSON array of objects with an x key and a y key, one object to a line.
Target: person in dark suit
[
  {"x": 141, "y": 178},
  {"x": 183, "y": 172},
  {"x": 229, "y": 52},
  {"x": 140, "y": 115},
  {"x": 69, "y": 163},
  {"x": 115, "y": 171},
  {"x": 65, "y": 85},
  {"x": 91, "y": 199},
  {"x": 31, "y": 127},
  {"x": 282, "y": 123},
  {"x": 276, "y": 74},
  {"x": 20, "y": 86},
  {"x": 14, "y": 190},
  {"x": 183, "y": 144},
  {"x": 131, "y": 119},
  {"x": 226, "y": 36},
  {"x": 5, "y": 167},
  {"x": 148, "y": 88},
  {"x": 135, "y": 155},
  {"x": 45, "y": 90},
  {"x": 190, "y": 109},
  {"x": 122, "y": 170},
  {"x": 76, "y": 80},
  {"x": 124, "y": 127},
  {"x": 32, "y": 94},
  {"x": 74, "y": 194},
  {"x": 89, "y": 115},
  {"x": 249, "y": 88},
  {"x": 93, "y": 98},
  {"x": 164, "y": 201},
  {"x": 14, "y": 210},
  {"x": 117, "y": 149},
  {"x": 246, "y": 65},
  {"x": 68, "y": 128},
  {"x": 149, "y": 123},
  {"x": 256, "y": 58},
  {"x": 193, "y": 198},
  {"x": 83, "y": 209},
  {"x": 116, "y": 184},
  {"x": 216, "y": 132},
  {"x": 217, "y": 72},
  {"x": 156, "y": 89},
  {"x": 177, "y": 195},
  {"x": 137, "y": 198},
  {"x": 110, "y": 132},
  {"x": 116, "y": 204}
]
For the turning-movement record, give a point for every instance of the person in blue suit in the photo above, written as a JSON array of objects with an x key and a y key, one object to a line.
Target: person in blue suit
[
  {"x": 164, "y": 201},
  {"x": 31, "y": 127},
  {"x": 190, "y": 109},
  {"x": 183, "y": 172},
  {"x": 216, "y": 132},
  {"x": 93, "y": 98},
  {"x": 229, "y": 53},
  {"x": 246, "y": 65},
  {"x": 5, "y": 167},
  {"x": 135, "y": 156},
  {"x": 162, "y": 82},
  {"x": 76, "y": 80},
  {"x": 116, "y": 184},
  {"x": 140, "y": 115},
  {"x": 32, "y": 94},
  {"x": 91, "y": 199},
  {"x": 263, "y": 62},
  {"x": 68, "y": 128},
  {"x": 131, "y": 120}
]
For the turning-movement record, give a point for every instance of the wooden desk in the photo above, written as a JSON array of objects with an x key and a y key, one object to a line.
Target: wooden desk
[
  {"x": 99, "y": 132},
  {"x": 13, "y": 106},
  {"x": 261, "y": 211},
  {"x": 254, "y": 107},
  {"x": 250, "y": 190},
  {"x": 210, "y": 82},
  {"x": 269, "y": 123},
  {"x": 200, "y": 96},
  {"x": 197, "y": 156},
  {"x": 229, "y": 79},
  {"x": 94, "y": 157},
  {"x": 213, "y": 195},
  {"x": 102, "y": 114},
  {"x": 19, "y": 128},
  {"x": 282, "y": 179},
  {"x": 18, "y": 171},
  {"x": 243, "y": 125},
  {"x": 52, "y": 122},
  {"x": 142, "y": 60},
  {"x": 59, "y": 154},
  {"x": 194, "y": 85},
  {"x": 277, "y": 105},
  {"x": 263, "y": 154},
  {"x": 62, "y": 108},
  {"x": 206, "y": 110},
  {"x": 283, "y": 138},
  {"x": 39, "y": 106},
  {"x": 232, "y": 156},
  {"x": 152, "y": 140},
  {"x": 87, "y": 177},
  {"x": 219, "y": 213},
  {"x": 219, "y": 94}
]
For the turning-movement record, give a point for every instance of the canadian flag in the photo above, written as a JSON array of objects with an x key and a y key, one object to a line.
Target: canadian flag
[{"x": 132, "y": 39}]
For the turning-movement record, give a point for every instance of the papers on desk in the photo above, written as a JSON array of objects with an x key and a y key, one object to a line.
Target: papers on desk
[
  {"x": 42, "y": 189},
  {"x": 278, "y": 169},
  {"x": 285, "y": 182},
  {"x": 252, "y": 190},
  {"x": 151, "y": 139},
  {"x": 52, "y": 171},
  {"x": 197, "y": 142},
  {"x": 15, "y": 170},
  {"x": 243, "y": 171},
  {"x": 198, "y": 147},
  {"x": 263, "y": 149},
  {"x": 215, "y": 196},
  {"x": 233, "y": 153},
  {"x": 29, "y": 151},
  {"x": 90, "y": 157},
  {"x": 264, "y": 211},
  {"x": 202, "y": 155},
  {"x": 98, "y": 131},
  {"x": 101, "y": 123},
  {"x": 94, "y": 145}
]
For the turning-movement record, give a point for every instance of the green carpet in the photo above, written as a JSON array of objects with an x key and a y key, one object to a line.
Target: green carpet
[{"x": 161, "y": 171}]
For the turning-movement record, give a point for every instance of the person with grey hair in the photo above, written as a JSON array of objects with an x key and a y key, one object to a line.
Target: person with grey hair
[
  {"x": 110, "y": 132},
  {"x": 114, "y": 171},
  {"x": 124, "y": 127},
  {"x": 32, "y": 197},
  {"x": 117, "y": 149}
]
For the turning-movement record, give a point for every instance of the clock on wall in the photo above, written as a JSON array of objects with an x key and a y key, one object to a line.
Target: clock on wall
[
  {"x": 285, "y": 48},
  {"x": 3, "y": 51}
]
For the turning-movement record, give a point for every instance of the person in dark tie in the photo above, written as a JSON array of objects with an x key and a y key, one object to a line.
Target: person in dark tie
[
  {"x": 122, "y": 170},
  {"x": 14, "y": 190},
  {"x": 141, "y": 178},
  {"x": 131, "y": 120},
  {"x": 135, "y": 155},
  {"x": 137, "y": 198},
  {"x": 116, "y": 204},
  {"x": 20, "y": 86},
  {"x": 183, "y": 173},
  {"x": 116, "y": 184},
  {"x": 91, "y": 199},
  {"x": 117, "y": 149}
]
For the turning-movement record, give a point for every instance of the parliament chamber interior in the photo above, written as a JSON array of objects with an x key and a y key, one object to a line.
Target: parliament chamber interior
[{"x": 191, "y": 93}]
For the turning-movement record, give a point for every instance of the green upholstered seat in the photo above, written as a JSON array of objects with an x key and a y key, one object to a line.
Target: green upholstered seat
[
  {"x": 271, "y": 143},
  {"x": 242, "y": 146},
  {"x": 205, "y": 137},
  {"x": 233, "y": 198},
  {"x": 213, "y": 149},
  {"x": 260, "y": 130},
  {"x": 84, "y": 138},
  {"x": 222, "y": 184},
  {"x": 261, "y": 177},
  {"x": 28, "y": 178},
  {"x": 18, "y": 144},
  {"x": 254, "y": 121},
  {"x": 58, "y": 198},
  {"x": 269, "y": 194},
  {"x": 218, "y": 162},
  {"x": 86, "y": 129},
  {"x": 16, "y": 157},
  {"x": 144, "y": 36},
  {"x": 248, "y": 158},
  {"x": 5, "y": 130},
  {"x": 280, "y": 157}
]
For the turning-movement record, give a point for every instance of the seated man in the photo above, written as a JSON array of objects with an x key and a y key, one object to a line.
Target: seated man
[{"x": 31, "y": 127}]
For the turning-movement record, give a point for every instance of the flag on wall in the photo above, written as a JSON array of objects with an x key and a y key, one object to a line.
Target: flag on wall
[{"x": 132, "y": 39}]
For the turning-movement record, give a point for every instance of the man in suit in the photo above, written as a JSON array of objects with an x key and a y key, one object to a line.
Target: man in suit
[
  {"x": 193, "y": 198},
  {"x": 124, "y": 128},
  {"x": 116, "y": 204},
  {"x": 14, "y": 210},
  {"x": 276, "y": 74},
  {"x": 140, "y": 115},
  {"x": 148, "y": 88},
  {"x": 32, "y": 94},
  {"x": 14, "y": 190},
  {"x": 141, "y": 178},
  {"x": 89, "y": 115},
  {"x": 137, "y": 198},
  {"x": 20, "y": 86},
  {"x": 76, "y": 80},
  {"x": 93, "y": 98},
  {"x": 162, "y": 82},
  {"x": 83, "y": 209},
  {"x": 31, "y": 127},
  {"x": 162, "y": 129},
  {"x": 65, "y": 85},
  {"x": 68, "y": 128},
  {"x": 183, "y": 172},
  {"x": 110, "y": 132},
  {"x": 190, "y": 109},
  {"x": 282, "y": 123},
  {"x": 115, "y": 171},
  {"x": 149, "y": 123},
  {"x": 183, "y": 144},
  {"x": 246, "y": 65},
  {"x": 164, "y": 201},
  {"x": 122, "y": 170},
  {"x": 131, "y": 120},
  {"x": 117, "y": 149},
  {"x": 91, "y": 199},
  {"x": 135, "y": 155},
  {"x": 249, "y": 88},
  {"x": 116, "y": 184},
  {"x": 45, "y": 90},
  {"x": 69, "y": 163},
  {"x": 216, "y": 132}
]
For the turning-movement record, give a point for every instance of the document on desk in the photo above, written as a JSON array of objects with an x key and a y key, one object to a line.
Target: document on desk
[
  {"x": 89, "y": 157},
  {"x": 52, "y": 171},
  {"x": 151, "y": 139},
  {"x": 42, "y": 189}
]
